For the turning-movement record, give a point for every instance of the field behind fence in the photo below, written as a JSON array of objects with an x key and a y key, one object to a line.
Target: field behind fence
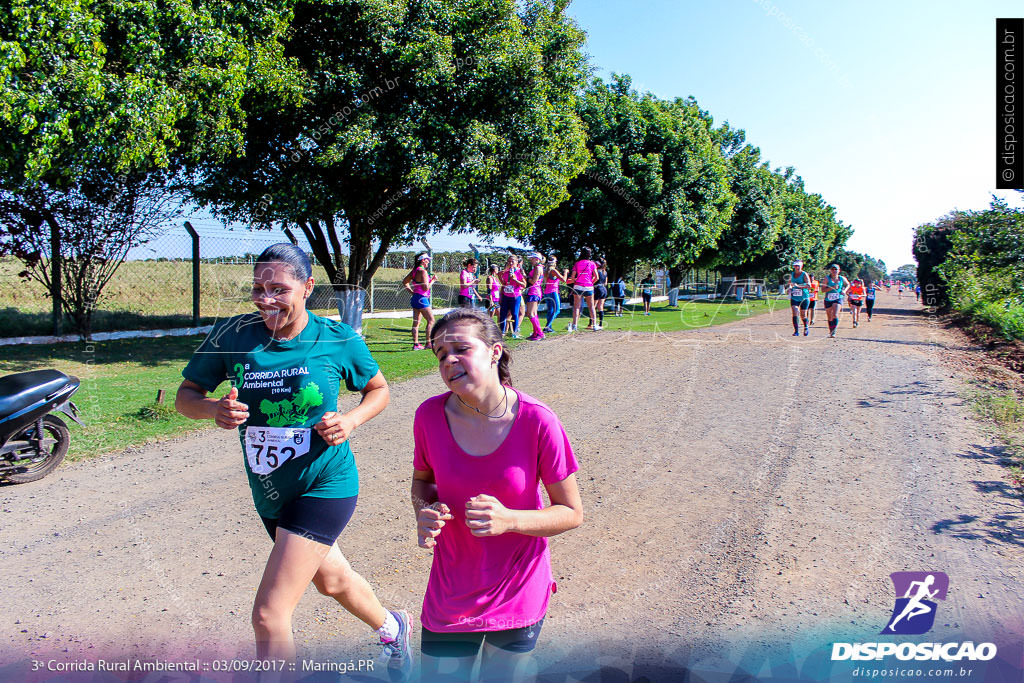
[{"x": 152, "y": 292}]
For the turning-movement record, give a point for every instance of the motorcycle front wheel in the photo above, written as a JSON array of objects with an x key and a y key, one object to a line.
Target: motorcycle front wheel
[{"x": 56, "y": 439}]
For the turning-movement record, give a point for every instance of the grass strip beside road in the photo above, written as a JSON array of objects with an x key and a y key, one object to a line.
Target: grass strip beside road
[{"x": 121, "y": 378}]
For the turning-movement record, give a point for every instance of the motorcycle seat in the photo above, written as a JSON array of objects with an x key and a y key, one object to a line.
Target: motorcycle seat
[{"x": 22, "y": 389}]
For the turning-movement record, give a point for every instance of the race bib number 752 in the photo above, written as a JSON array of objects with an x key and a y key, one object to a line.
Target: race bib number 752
[{"x": 267, "y": 448}]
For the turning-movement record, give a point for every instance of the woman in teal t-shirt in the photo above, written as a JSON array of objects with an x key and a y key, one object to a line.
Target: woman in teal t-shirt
[{"x": 286, "y": 367}]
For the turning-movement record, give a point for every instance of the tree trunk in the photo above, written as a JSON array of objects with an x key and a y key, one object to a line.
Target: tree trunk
[{"x": 55, "y": 264}]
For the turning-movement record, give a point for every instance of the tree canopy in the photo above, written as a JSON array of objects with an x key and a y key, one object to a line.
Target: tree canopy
[
  {"x": 408, "y": 118},
  {"x": 655, "y": 186}
]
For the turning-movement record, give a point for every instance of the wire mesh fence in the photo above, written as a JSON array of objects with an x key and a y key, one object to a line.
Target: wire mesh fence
[{"x": 159, "y": 285}]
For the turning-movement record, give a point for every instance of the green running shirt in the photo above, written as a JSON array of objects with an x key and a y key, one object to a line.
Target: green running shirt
[{"x": 288, "y": 386}]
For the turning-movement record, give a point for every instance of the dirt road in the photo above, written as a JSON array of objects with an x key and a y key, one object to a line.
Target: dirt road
[{"x": 741, "y": 485}]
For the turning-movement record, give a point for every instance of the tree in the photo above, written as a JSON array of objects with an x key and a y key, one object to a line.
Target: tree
[
  {"x": 932, "y": 244},
  {"x": 656, "y": 187},
  {"x": 409, "y": 117},
  {"x": 907, "y": 272},
  {"x": 759, "y": 215},
  {"x": 968, "y": 258},
  {"x": 861, "y": 266},
  {"x": 95, "y": 96},
  {"x": 810, "y": 232},
  {"x": 73, "y": 241}
]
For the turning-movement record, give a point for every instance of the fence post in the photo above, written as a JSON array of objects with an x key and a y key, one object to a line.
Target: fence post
[
  {"x": 55, "y": 277},
  {"x": 195, "y": 273}
]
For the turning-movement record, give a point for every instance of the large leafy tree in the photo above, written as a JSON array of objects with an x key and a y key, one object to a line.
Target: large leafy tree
[
  {"x": 811, "y": 231},
  {"x": 969, "y": 258},
  {"x": 96, "y": 96},
  {"x": 99, "y": 219},
  {"x": 656, "y": 187},
  {"x": 759, "y": 215},
  {"x": 409, "y": 116},
  {"x": 856, "y": 265}
]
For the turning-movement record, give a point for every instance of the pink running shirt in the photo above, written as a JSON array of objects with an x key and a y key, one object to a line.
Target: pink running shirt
[
  {"x": 511, "y": 288},
  {"x": 419, "y": 287},
  {"x": 534, "y": 289},
  {"x": 498, "y": 582},
  {"x": 586, "y": 273},
  {"x": 550, "y": 283},
  {"x": 465, "y": 278}
]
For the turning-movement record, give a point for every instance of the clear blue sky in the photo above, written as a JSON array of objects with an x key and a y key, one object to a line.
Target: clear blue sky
[{"x": 884, "y": 108}]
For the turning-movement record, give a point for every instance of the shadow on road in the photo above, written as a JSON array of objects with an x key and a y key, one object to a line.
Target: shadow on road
[{"x": 1004, "y": 527}]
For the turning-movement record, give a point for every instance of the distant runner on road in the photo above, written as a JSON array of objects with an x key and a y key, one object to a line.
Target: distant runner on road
[
  {"x": 815, "y": 287},
  {"x": 418, "y": 283},
  {"x": 834, "y": 287},
  {"x": 869, "y": 299},
  {"x": 856, "y": 298},
  {"x": 799, "y": 297}
]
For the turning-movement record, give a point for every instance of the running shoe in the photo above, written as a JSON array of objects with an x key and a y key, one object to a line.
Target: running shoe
[
  {"x": 795, "y": 333},
  {"x": 547, "y": 330},
  {"x": 516, "y": 336},
  {"x": 597, "y": 327},
  {"x": 855, "y": 324},
  {"x": 805, "y": 330},
  {"x": 397, "y": 653},
  {"x": 418, "y": 347}
]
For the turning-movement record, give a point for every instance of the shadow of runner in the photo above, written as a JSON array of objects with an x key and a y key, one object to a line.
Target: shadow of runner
[
  {"x": 848, "y": 339},
  {"x": 1003, "y": 527}
]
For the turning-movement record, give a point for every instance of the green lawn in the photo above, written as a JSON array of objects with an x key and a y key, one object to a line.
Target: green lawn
[{"x": 120, "y": 379}]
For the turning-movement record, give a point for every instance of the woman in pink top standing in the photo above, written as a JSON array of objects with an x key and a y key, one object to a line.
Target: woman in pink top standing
[
  {"x": 467, "y": 283},
  {"x": 583, "y": 277},
  {"x": 534, "y": 281},
  {"x": 551, "y": 280},
  {"x": 512, "y": 284},
  {"x": 418, "y": 283},
  {"x": 493, "y": 289},
  {"x": 482, "y": 451}
]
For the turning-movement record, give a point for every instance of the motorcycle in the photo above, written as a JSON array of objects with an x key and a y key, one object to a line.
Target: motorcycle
[{"x": 33, "y": 441}]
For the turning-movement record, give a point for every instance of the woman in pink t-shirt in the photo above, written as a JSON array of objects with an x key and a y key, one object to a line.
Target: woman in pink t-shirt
[
  {"x": 493, "y": 289},
  {"x": 482, "y": 450},
  {"x": 583, "y": 277},
  {"x": 534, "y": 282},
  {"x": 418, "y": 283},
  {"x": 512, "y": 284},
  {"x": 467, "y": 283}
]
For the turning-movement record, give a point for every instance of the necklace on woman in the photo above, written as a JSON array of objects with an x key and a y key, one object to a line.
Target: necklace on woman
[{"x": 493, "y": 417}]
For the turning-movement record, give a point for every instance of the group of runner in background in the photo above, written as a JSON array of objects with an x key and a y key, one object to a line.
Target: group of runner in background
[
  {"x": 515, "y": 292},
  {"x": 804, "y": 290}
]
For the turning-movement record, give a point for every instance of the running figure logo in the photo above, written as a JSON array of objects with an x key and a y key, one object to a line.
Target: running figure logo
[{"x": 914, "y": 611}]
